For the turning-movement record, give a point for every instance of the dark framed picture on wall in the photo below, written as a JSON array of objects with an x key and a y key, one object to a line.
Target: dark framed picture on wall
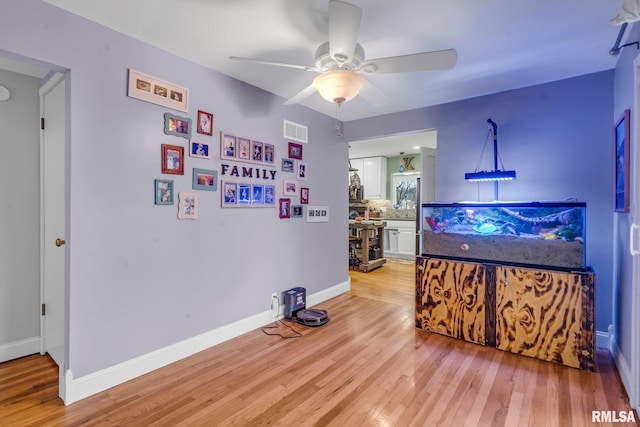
[
  {"x": 295, "y": 151},
  {"x": 163, "y": 191},
  {"x": 622, "y": 135},
  {"x": 205, "y": 123},
  {"x": 172, "y": 159},
  {"x": 285, "y": 208}
]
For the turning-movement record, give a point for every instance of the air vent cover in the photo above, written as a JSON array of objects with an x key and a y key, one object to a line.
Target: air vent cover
[{"x": 295, "y": 131}]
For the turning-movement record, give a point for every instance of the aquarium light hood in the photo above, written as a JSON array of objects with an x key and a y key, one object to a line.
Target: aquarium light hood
[
  {"x": 496, "y": 174},
  {"x": 484, "y": 176}
]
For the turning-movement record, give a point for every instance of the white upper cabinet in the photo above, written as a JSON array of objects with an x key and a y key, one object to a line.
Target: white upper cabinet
[{"x": 373, "y": 176}]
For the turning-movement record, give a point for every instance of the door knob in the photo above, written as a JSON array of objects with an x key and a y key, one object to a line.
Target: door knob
[{"x": 60, "y": 242}]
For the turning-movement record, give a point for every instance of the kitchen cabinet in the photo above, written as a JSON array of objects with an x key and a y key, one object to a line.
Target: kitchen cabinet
[
  {"x": 536, "y": 312},
  {"x": 404, "y": 235},
  {"x": 373, "y": 176}
]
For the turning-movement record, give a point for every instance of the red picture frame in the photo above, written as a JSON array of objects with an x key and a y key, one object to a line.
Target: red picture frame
[
  {"x": 295, "y": 151},
  {"x": 172, "y": 159},
  {"x": 205, "y": 123},
  {"x": 285, "y": 208},
  {"x": 304, "y": 195}
]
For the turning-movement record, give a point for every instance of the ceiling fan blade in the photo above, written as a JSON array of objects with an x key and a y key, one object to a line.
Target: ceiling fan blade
[
  {"x": 344, "y": 25},
  {"x": 374, "y": 95},
  {"x": 277, "y": 64},
  {"x": 300, "y": 96},
  {"x": 436, "y": 60}
]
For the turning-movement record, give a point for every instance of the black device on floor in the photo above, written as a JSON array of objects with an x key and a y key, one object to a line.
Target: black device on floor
[
  {"x": 295, "y": 303},
  {"x": 294, "y": 300}
]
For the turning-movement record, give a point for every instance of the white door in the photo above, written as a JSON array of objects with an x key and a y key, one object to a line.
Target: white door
[{"x": 52, "y": 104}]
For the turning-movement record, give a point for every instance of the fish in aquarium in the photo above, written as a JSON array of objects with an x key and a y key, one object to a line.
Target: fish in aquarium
[{"x": 540, "y": 223}]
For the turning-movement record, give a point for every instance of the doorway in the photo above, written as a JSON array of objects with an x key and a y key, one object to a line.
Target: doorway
[
  {"x": 44, "y": 207},
  {"x": 407, "y": 158},
  {"x": 634, "y": 391}
]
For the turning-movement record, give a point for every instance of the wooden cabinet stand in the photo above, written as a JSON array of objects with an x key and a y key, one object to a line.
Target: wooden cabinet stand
[
  {"x": 365, "y": 235},
  {"x": 546, "y": 314}
]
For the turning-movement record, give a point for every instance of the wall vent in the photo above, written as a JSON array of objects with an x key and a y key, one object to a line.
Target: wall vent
[{"x": 296, "y": 131}]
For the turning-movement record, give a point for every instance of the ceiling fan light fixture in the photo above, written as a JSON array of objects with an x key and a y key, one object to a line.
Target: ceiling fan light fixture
[{"x": 338, "y": 85}]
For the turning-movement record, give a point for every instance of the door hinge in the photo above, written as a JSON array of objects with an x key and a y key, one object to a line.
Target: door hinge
[
  {"x": 42, "y": 123},
  {"x": 44, "y": 310}
]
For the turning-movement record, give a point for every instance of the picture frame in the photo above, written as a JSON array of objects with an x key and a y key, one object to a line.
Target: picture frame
[
  {"x": 301, "y": 171},
  {"x": 269, "y": 154},
  {"x": 295, "y": 151},
  {"x": 269, "y": 195},
  {"x": 297, "y": 211},
  {"x": 188, "y": 205},
  {"x": 304, "y": 195},
  {"x": 244, "y": 149},
  {"x": 317, "y": 213},
  {"x": 199, "y": 149},
  {"x": 156, "y": 91},
  {"x": 163, "y": 190},
  {"x": 177, "y": 125},
  {"x": 244, "y": 194},
  {"x": 205, "y": 179},
  {"x": 285, "y": 208},
  {"x": 229, "y": 194},
  {"x": 172, "y": 159},
  {"x": 257, "y": 151},
  {"x": 228, "y": 146},
  {"x": 205, "y": 123},
  {"x": 257, "y": 194},
  {"x": 290, "y": 188},
  {"x": 287, "y": 165},
  {"x": 622, "y": 136}
]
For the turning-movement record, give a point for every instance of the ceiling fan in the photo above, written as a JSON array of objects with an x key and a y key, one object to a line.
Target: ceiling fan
[{"x": 341, "y": 61}]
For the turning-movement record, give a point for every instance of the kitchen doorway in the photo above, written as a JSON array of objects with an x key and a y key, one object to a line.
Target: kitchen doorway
[{"x": 396, "y": 173}]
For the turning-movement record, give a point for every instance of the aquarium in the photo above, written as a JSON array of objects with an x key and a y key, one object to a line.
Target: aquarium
[{"x": 549, "y": 234}]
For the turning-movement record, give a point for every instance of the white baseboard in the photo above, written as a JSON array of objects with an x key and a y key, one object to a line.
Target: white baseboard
[
  {"x": 21, "y": 348},
  {"x": 603, "y": 340},
  {"x": 75, "y": 389},
  {"x": 623, "y": 367}
]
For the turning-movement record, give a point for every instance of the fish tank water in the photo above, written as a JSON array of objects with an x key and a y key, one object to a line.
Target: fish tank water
[{"x": 547, "y": 234}]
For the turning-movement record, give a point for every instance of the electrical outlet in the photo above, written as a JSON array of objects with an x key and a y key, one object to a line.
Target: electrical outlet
[{"x": 275, "y": 304}]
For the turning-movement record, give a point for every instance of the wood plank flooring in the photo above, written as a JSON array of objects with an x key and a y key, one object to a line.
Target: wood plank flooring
[{"x": 368, "y": 366}]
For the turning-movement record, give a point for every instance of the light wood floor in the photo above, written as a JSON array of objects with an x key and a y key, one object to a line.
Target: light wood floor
[{"x": 368, "y": 366}]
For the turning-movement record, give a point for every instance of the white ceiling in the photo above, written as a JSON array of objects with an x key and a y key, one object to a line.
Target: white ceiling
[{"x": 501, "y": 44}]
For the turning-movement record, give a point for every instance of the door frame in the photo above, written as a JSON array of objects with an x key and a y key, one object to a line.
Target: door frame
[
  {"x": 55, "y": 80},
  {"x": 634, "y": 392}
]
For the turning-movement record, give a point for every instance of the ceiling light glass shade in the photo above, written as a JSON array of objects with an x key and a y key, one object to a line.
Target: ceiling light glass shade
[
  {"x": 338, "y": 85},
  {"x": 490, "y": 176}
]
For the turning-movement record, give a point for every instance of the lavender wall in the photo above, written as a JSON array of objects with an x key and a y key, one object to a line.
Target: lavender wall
[
  {"x": 139, "y": 279},
  {"x": 557, "y": 136}
]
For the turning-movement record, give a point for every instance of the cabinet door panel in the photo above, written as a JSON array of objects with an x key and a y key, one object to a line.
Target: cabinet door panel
[
  {"x": 450, "y": 298},
  {"x": 540, "y": 314},
  {"x": 407, "y": 242}
]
